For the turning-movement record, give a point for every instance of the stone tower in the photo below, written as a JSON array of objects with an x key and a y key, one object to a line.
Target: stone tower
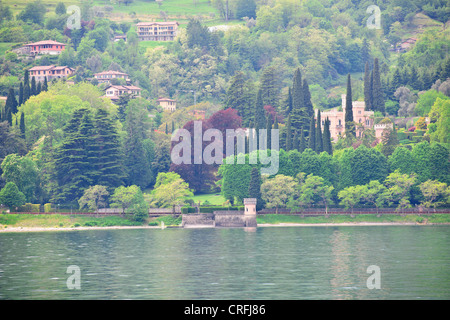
[{"x": 250, "y": 206}]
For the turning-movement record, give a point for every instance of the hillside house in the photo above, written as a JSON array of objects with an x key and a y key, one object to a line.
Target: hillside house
[
  {"x": 50, "y": 72},
  {"x": 115, "y": 91},
  {"x": 106, "y": 76},
  {"x": 157, "y": 31},
  {"x": 44, "y": 47},
  {"x": 167, "y": 104}
]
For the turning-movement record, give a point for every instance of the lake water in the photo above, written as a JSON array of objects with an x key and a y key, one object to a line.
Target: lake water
[{"x": 269, "y": 263}]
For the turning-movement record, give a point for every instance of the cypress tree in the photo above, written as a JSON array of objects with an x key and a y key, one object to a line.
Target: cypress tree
[
  {"x": 349, "y": 125},
  {"x": 11, "y": 101},
  {"x": 396, "y": 80},
  {"x": 295, "y": 145},
  {"x": 367, "y": 88},
  {"x": 377, "y": 91},
  {"x": 307, "y": 101},
  {"x": 365, "y": 52},
  {"x": 8, "y": 115},
  {"x": 33, "y": 87},
  {"x": 26, "y": 91},
  {"x": 372, "y": 108},
  {"x": 275, "y": 125},
  {"x": 21, "y": 94},
  {"x": 22, "y": 124},
  {"x": 254, "y": 188},
  {"x": 167, "y": 129},
  {"x": 269, "y": 128},
  {"x": 319, "y": 141},
  {"x": 298, "y": 113},
  {"x": 302, "y": 142},
  {"x": 45, "y": 85},
  {"x": 173, "y": 126},
  {"x": 38, "y": 88},
  {"x": 289, "y": 102},
  {"x": 327, "y": 138},
  {"x": 312, "y": 135},
  {"x": 259, "y": 115},
  {"x": 288, "y": 134}
]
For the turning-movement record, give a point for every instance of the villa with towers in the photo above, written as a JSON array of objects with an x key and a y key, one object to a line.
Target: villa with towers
[{"x": 363, "y": 119}]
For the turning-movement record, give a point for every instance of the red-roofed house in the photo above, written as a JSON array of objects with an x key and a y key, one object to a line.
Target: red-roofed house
[
  {"x": 51, "y": 72},
  {"x": 45, "y": 47}
]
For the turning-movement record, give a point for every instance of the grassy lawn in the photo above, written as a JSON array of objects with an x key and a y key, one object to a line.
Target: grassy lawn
[
  {"x": 5, "y": 46},
  {"x": 58, "y": 220},
  {"x": 172, "y": 7},
  {"x": 279, "y": 218},
  {"x": 18, "y": 5},
  {"x": 214, "y": 199}
]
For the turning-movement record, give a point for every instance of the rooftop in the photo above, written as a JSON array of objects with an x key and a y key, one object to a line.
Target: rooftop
[
  {"x": 45, "y": 42},
  {"x": 161, "y": 23}
]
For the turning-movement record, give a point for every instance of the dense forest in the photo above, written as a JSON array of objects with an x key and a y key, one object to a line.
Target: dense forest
[{"x": 274, "y": 64}]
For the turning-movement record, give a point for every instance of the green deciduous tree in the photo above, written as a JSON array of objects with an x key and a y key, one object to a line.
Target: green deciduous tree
[
  {"x": 11, "y": 197},
  {"x": 435, "y": 193},
  {"x": 170, "y": 192},
  {"x": 24, "y": 172},
  {"x": 398, "y": 189},
  {"x": 94, "y": 198},
  {"x": 350, "y": 197},
  {"x": 277, "y": 191},
  {"x": 373, "y": 193}
]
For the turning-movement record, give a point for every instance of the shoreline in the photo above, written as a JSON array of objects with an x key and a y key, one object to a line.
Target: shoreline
[{"x": 263, "y": 225}]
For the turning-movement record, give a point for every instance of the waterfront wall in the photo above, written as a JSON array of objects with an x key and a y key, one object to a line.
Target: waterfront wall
[{"x": 218, "y": 220}]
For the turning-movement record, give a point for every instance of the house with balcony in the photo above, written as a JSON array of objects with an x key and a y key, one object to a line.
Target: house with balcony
[
  {"x": 107, "y": 76},
  {"x": 43, "y": 47},
  {"x": 157, "y": 31},
  {"x": 50, "y": 72},
  {"x": 114, "y": 92},
  {"x": 167, "y": 104}
]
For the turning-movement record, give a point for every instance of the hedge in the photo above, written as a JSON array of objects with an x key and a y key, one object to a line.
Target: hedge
[
  {"x": 210, "y": 209},
  {"x": 29, "y": 207},
  {"x": 48, "y": 207}
]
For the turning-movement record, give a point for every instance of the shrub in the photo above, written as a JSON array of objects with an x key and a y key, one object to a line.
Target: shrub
[
  {"x": 420, "y": 132},
  {"x": 90, "y": 223},
  {"x": 188, "y": 209},
  {"x": 48, "y": 207},
  {"x": 29, "y": 207}
]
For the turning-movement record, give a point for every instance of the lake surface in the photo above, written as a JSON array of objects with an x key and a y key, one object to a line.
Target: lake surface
[{"x": 268, "y": 263}]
